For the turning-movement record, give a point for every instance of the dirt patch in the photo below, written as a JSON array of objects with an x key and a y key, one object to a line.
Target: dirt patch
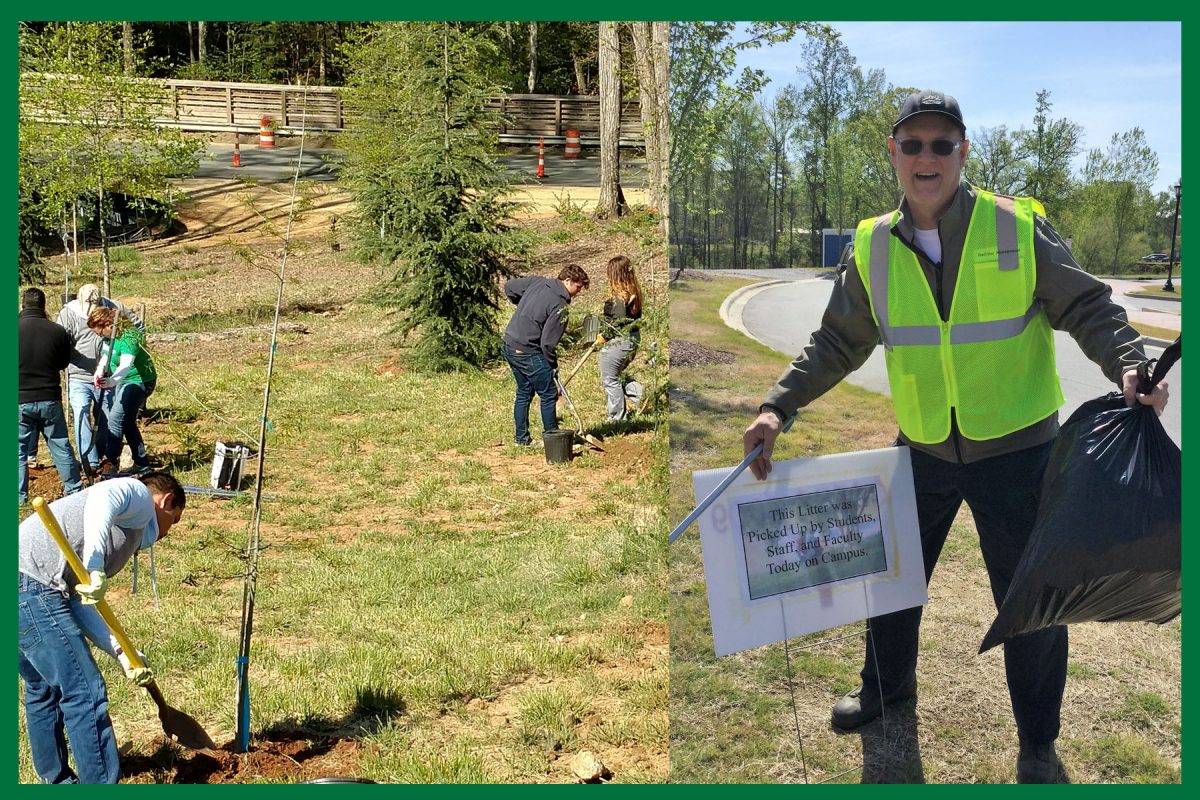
[
  {"x": 690, "y": 354},
  {"x": 45, "y": 483},
  {"x": 272, "y": 760}
]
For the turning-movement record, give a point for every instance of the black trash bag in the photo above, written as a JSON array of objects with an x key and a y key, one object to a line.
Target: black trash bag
[{"x": 1106, "y": 543}]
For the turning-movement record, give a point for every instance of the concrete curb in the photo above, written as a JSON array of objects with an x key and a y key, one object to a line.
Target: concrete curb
[
  {"x": 733, "y": 306},
  {"x": 1156, "y": 342}
]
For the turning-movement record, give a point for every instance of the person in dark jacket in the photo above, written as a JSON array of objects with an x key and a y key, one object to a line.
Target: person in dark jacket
[
  {"x": 531, "y": 338},
  {"x": 45, "y": 350}
]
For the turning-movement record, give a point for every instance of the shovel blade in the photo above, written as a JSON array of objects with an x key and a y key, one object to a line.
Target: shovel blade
[
  {"x": 185, "y": 730},
  {"x": 178, "y": 726}
]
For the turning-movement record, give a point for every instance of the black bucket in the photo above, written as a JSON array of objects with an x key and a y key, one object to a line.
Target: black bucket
[{"x": 558, "y": 444}]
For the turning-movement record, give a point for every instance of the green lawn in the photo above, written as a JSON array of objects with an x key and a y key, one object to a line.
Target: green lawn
[{"x": 451, "y": 604}]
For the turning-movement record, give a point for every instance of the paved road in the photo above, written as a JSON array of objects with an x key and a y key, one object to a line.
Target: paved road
[
  {"x": 782, "y": 315},
  {"x": 278, "y": 164}
]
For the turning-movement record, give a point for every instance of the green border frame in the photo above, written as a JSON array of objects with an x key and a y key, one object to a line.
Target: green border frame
[{"x": 619, "y": 9}]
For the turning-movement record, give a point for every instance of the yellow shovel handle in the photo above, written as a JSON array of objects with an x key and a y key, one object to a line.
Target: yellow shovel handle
[{"x": 81, "y": 573}]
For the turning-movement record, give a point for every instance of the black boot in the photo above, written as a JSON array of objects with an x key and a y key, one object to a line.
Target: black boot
[{"x": 861, "y": 706}]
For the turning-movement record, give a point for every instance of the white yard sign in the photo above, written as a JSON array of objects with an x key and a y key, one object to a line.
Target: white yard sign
[{"x": 822, "y": 542}]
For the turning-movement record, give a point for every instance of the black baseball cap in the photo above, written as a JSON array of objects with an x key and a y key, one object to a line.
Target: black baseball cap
[{"x": 928, "y": 101}]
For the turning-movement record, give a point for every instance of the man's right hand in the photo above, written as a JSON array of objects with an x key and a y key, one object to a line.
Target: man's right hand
[
  {"x": 143, "y": 675},
  {"x": 764, "y": 430}
]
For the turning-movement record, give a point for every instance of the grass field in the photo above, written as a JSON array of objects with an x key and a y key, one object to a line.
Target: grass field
[
  {"x": 748, "y": 718},
  {"x": 434, "y": 603}
]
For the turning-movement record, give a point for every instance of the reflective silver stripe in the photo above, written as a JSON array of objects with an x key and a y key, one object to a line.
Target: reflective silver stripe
[
  {"x": 995, "y": 330},
  {"x": 916, "y": 334},
  {"x": 1006, "y": 233},
  {"x": 881, "y": 239}
]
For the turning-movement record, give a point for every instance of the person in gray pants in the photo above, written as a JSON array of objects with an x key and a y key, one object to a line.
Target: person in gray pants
[{"x": 622, "y": 310}]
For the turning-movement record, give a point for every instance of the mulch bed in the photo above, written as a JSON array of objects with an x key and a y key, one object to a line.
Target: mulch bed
[{"x": 690, "y": 354}]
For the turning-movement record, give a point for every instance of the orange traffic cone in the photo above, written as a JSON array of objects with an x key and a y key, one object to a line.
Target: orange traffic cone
[
  {"x": 541, "y": 170},
  {"x": 237, "y": 153}
]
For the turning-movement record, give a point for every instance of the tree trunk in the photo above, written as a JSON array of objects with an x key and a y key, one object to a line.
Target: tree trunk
[
  {"x": 611, "y": 199},
  {"x": 201, "y": 45},
  {"x": 321, "y": 55},
  {"x": 533, "y": 56},
  {"x": 581, "y": 81},
  {"x": 103, "y": 238},
  {"x": 127, "y": 47},
  {"x": 191, "y": 51},
  {"x": 650, "y": 56}
]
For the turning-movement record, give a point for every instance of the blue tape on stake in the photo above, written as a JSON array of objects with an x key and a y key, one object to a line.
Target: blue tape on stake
[
  {"x": 243, "y": 721},
  {"x": 270, "y": 427}
]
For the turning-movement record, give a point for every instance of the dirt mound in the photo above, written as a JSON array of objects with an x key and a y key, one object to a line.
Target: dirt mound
[
  {"x": 281, "y": 759},
  {"x": 690, "y": 354}
]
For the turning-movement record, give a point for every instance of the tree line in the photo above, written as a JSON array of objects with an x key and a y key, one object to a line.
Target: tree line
[
  {"x": 760, "y": 176},
  {"x": 530, "y": 57}
]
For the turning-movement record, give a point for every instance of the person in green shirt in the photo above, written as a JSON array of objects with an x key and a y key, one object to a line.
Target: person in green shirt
[{"x": 128, "y": 376}]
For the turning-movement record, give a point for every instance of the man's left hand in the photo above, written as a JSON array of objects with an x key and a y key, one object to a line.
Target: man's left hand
[
  {"x": 92, "y": 592},
  {"x": 1157, "y": 397}
]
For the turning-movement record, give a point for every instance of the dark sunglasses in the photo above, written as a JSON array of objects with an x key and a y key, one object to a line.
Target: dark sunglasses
[{"x": 940, "y": 147}]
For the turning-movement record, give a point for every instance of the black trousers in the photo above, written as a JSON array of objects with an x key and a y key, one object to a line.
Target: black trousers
[{"x": 1002, "y": 493}]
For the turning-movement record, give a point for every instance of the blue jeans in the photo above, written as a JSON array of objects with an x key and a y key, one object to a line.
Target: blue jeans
[
  {"x": 614, "y": 358},
  {"x": 45, "y": 418},
  {"x": 118, "y": 416},
  {"x": 83, "y": 396},
  {"x": 534, "y": 376},
  {"x": 65, "y": 696}
]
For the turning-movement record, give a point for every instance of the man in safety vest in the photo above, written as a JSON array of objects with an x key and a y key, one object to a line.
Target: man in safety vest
[{"x": 962, "y": 287}]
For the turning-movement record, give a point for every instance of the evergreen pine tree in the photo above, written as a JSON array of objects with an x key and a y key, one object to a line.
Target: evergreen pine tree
[{"x": 429, "y": 192}]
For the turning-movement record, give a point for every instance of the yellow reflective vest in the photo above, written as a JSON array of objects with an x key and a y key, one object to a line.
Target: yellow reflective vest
[{"x": 992, "y": 363}]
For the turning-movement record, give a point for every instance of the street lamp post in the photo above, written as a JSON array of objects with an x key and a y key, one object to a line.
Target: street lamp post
[{"x": 1178, "y": 189}]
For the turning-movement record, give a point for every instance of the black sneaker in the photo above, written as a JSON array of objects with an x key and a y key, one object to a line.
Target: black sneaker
[
  {"x": 1040, "y": 764},
  {"x": 859, "y": 707}
]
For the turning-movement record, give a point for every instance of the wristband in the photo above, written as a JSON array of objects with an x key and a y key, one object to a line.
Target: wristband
[{"x": 774, "y": 410}]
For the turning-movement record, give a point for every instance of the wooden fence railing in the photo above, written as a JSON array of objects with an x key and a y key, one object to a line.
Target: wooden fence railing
[{"x": 240, "y": 107}]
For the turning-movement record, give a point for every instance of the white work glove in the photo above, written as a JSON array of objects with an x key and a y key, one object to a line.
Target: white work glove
[
  {"x": 143, "y": 675},
  {"x": 102, "y": 382},
  {"x": 92, "y": 592}
]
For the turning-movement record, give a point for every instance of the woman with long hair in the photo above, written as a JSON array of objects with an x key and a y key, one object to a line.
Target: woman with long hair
[
  {"x": 622, "y": 311},
  {"x": 125, "y": 373}
]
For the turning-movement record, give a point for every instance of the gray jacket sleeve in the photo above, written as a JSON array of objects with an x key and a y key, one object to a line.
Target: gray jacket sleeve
[
  {"x": 552, "y": 333},
  {"x": 514, "y": 288},
  {"x": 846, "y": 338},
  {"x": 1082, "y": 305},
  {"x": 127, "y": 313}
]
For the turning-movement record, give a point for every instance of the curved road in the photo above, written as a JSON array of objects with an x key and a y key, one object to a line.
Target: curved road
[{"x": 782, "y": 314}]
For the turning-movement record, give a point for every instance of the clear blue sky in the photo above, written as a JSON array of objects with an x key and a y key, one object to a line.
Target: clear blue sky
[{"x": 1107, "y": 76}]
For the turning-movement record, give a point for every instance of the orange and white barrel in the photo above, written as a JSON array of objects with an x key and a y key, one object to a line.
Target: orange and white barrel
[
  {"x": 266, "y": 136},
  {"x": 572, "y": 148}
]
